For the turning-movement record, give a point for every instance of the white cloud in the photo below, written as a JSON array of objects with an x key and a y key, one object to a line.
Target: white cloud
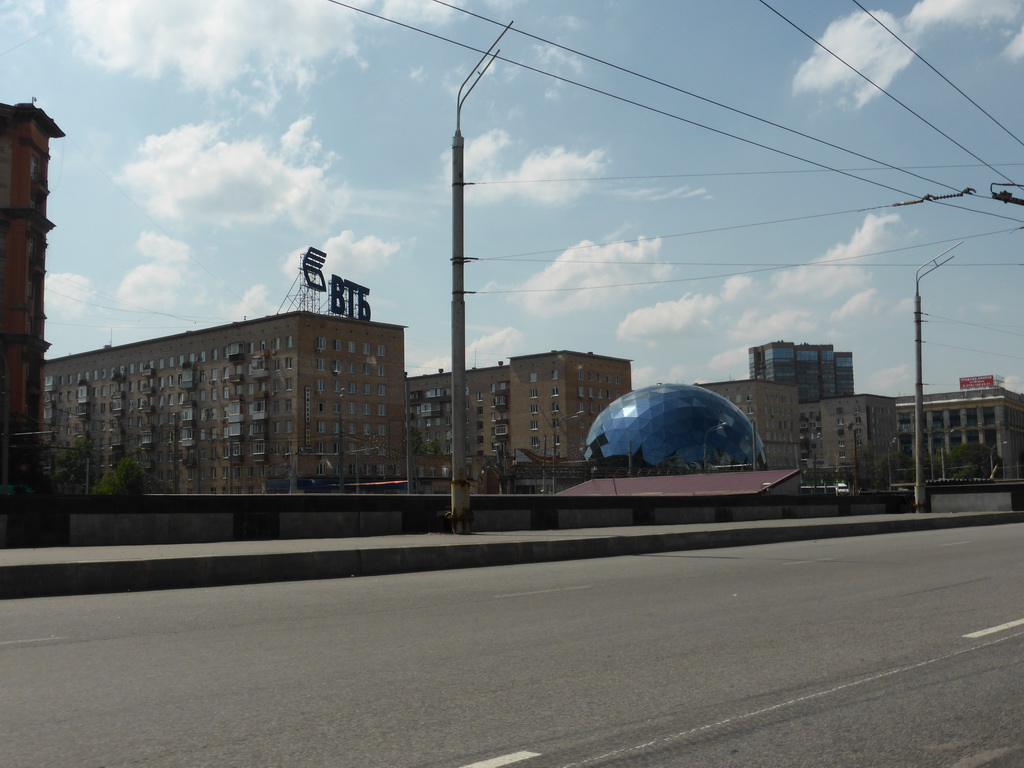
[
  {"x": 255, "y": 302},
  {"x": 499, "y": 345},
  {"x": 69, "y": 295},
  {"x": 1015, "y": 50},
  {"x": 347, "y": 256},
  {"x": 692, "y": 312},
  {"x": 644, "y": 376},
  {"x": 655, "y": 194},
  {"x": 192, "y": 174},
  {"x": 862, "y": 43},
  {"x": 827, "y": 276},
  {"x": 19, "y": 14},
  {"x": 890, "y": 380},
  {"x": 589, "y": 275},
  {"x": 212, "y": 44},
  {"x": 755, "y": 324},
  {"x": 737, "y": 287},
  {"x": 961, "y": 12},
  {"x": 486, "y": 160},
  {"x": 155, "y": 284},
  {"x": 736, "y": 359},
  {"x": 863, "y": 304}
]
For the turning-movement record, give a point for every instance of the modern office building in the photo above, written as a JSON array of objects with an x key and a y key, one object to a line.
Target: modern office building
[
  {"x": 982, "y": 412},
  {"x": 773, "y": 408},
  {"x": 817, "y": 370},
  {"x": 532, "y": 412},
  {"x": 251, "y": 407},
  {"x": 25, "y": 134}
]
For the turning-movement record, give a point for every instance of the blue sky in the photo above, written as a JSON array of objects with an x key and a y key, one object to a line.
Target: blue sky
[{"x": 670, "y": 181}]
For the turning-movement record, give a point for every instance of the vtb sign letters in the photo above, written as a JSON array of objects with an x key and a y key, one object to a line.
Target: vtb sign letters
[{"x": 347, "y": 298}]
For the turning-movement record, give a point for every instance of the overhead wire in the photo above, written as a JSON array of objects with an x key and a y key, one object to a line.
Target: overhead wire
[
  {"x": 928, "y": 64},
  {"x": 691, "y": 94},
  {"x": 880, "y": 89},
  {"x": 663, "y": 113},
  {"x": 841, "y": 261}
]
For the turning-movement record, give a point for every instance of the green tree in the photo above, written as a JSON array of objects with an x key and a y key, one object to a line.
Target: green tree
[
  {"x": 72, "y": 465},
  {"x": 970, "y": 460},
  {"x": 125, "y": 480}
]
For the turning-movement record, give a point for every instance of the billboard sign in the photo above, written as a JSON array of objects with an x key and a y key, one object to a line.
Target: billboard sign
[
  {"x": 347, "y": 298},
  {"x": 980, "y": 382}
]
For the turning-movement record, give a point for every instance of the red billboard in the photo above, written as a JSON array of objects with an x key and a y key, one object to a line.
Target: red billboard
[{"x": 977, "y": 382}]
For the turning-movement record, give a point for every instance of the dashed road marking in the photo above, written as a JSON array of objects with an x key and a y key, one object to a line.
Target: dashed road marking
[
  {"x": 993, "y": 630},
  {"x": 541, "y": 591},
  {"x": 496, "y": 762}
]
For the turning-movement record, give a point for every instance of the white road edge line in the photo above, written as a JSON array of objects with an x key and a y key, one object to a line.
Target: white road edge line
[
  {"x": 992, "y": 630},
  {"x": 542, "y": 591},
  {"x": 495, "y": 762},
  {"x": 804, "y": 562},
  {"x": 954, "y": 544},
  {"x": 30, "y": 640}
]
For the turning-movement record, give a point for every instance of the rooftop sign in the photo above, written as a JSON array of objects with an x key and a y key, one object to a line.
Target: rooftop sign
[
  {"x": 347, "y": 298},
  {"x": 980, "y": 382}
]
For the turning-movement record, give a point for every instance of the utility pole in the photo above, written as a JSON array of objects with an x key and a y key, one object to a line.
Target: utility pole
[
  {"x": 460, "y": 515},
  {"x": 920, "y": 502}
]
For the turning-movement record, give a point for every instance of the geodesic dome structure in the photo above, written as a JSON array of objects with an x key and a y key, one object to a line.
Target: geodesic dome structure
[{"x": 673, "y": 426}]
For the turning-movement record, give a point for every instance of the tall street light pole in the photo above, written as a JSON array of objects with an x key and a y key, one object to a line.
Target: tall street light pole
[
  {"x": 460, "y": 516},
  {"x": 920, "y": 502}
]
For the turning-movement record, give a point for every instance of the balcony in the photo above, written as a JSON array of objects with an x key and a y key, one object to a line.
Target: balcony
[
  {"x": 82, "y": 411},
  {"x": 236, "y": 378}
]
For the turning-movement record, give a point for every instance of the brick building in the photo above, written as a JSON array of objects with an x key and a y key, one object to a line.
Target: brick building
[{"x": 25, "y": 134}]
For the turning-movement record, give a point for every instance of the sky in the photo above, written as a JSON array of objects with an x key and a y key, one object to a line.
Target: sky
[{"x": 669, "y": 181}]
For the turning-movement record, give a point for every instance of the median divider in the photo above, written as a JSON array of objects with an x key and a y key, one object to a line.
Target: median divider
[{"x": 55, "y": 571}]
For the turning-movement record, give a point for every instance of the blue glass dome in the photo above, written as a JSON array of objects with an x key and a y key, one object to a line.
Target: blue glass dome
[{"x": 673, "y": 426}]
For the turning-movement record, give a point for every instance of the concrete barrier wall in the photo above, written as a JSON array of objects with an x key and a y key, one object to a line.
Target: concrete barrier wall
[
  {"x": 28, "y": 521},
  {"x": 969, "y": 502}
]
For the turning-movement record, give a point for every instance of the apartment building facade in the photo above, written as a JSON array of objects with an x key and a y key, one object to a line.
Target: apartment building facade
[{"x": 299, "y": 401}]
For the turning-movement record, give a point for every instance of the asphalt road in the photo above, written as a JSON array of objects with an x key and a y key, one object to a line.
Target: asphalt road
[{"x": 845, "y": 652}]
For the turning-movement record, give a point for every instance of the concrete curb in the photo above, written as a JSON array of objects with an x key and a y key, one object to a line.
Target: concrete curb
[{"x": 136, "y": 575}]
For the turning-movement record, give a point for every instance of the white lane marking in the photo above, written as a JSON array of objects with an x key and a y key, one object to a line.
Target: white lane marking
[
  {"x": 992, "y": 630},
  {"x": 542, "y": 591},
  {"x": 954, "y": 544},
  {"x": 664, "y": 740},
  {"x": 819, "y": 560},
  {"x": 31, "y": 640},
  {"x": 495, "y": 762}
]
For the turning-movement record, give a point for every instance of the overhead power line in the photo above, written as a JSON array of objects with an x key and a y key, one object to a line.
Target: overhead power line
[
  {"x": 880, "y": 89},
  {"x": 933, "y": 69},
  {"x": 665, "y": 113}
]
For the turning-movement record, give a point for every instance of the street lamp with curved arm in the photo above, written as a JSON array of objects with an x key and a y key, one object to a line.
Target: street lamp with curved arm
[{"x": 928, "y": 267}]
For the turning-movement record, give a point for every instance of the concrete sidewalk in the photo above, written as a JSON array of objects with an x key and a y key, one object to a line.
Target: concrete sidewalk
[{"x": 89, "y": 570}]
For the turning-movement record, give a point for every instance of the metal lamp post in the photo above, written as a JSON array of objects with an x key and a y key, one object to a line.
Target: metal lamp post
[
  {"x": 460, "y": 515},
  {"x": 920, "y": 501}
]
